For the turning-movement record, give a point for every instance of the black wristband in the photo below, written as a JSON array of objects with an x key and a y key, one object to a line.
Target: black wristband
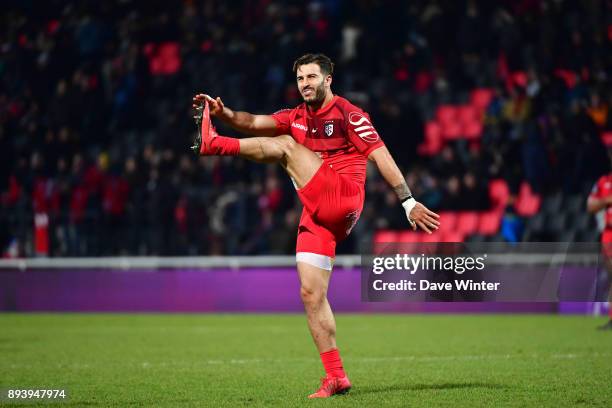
[{"x": 407, "y": 198}]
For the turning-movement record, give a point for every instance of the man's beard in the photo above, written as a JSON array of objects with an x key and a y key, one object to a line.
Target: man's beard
[{"x": 319, "y": 96}]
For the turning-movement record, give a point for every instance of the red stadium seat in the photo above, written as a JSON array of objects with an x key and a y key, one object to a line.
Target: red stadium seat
[
  {"x": 433, "y": 140},
  {"x": 569, "y": 77},
  {"x": 472, "y": 130},
  {"x": 386, "y": 236},
  {"x": 606, "y": 138},
  {"x": 490, "y": 222},
  {"x": 433, "y": 131},
  {"x": 423, "y": 237},
  {"x": 452, "y": 131},
  {"x": 446, "y": 114},
  {"x": 419, "y": 236},
  {"x": 468, "y": 114},
  {"x": 467, "y": 222},
  {"x": 409, "y": 236},
  {"x": 427, "y": 150},
  {"x": 481, "y": 98},
  {"x": 499, "y": 193},
  {"x": 453, "y": 236},
  {"x": 527, "y": 203},
  {"x": 519, "y": 78},
  {"x": 164, "y": 58},
  {"x": 448, "y": 221}
]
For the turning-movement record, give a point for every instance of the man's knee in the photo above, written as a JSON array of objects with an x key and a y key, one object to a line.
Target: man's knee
[
  {"x": 312, "y": 294},
  {"x": 287, "y": 144}
]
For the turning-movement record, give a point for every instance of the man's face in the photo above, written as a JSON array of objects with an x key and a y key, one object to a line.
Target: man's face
[{"x": 312, "y": 84}]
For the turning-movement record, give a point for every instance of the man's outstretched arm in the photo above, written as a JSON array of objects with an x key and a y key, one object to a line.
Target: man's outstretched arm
[
  {"x": 244, "y": 122},
  {"x": 417, "y": 213}
]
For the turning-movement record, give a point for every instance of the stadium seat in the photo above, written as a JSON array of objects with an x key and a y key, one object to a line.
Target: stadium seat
[
  {"x": 496, "y": 238},
  {"x": 527, "y": 203},
  {"x": 555, "y": 223},
  {"x": 423, "y": 237},
  {"x": 467, "y": 222},
  {"x": 536, "y": 223},
  {"x": 566, "y": 236},
  {"x": 481, "y": 98},
  {"x": 448, "y": 221},
  {"x": 581, "y": 222},
  {"x": 417, "y": 236},
  {"x": 499, "y": 193},
  {"x": 432, "y": 144},
  {"x": 575, "y": 204},
  {"x": 552, "y": 204},
  {"x": 472, "y": 130},
  {"x": 452, "y": 130},
  {"x": 386, "y": 236},
  {"x": 164, "y": 58},
  {"x": 433, "y": 133},
  {"x": 519, "y": 78},
  {"x": 569, "y": 77},
  {"x": 475, "y": 238},
  {"x": 408, "y": 236},
  {"x": 446, "y": 114},
  {"x": 490, "y": 222},
  {"x": 427, "y": 150},
  {"x": 468, "y": 114},
  {"x": 452, "y": 236},
  {"x": 591, "y": 235}
]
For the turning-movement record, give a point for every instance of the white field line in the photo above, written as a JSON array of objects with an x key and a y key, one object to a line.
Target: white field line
[{"x": 425, "y": 359}]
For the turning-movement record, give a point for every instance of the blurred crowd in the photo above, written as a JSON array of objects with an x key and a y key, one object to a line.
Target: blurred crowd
[{"x": 95, "y": 112}]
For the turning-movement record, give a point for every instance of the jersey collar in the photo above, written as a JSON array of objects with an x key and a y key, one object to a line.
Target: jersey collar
[{"x": 323, "y": 110}]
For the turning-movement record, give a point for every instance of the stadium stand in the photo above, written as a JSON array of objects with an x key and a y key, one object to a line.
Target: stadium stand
[{"x": 499, "y": 128}]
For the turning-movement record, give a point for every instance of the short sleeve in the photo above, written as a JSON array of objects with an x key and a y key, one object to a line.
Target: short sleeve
[
  {"x": 283, "y": 121},
  {"x": 361, "y": 133}
]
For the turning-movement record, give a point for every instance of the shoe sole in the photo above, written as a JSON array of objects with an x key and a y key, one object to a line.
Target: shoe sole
[
  {"x": 343, "y": 392},
  {"x": 197, "y": 140}
]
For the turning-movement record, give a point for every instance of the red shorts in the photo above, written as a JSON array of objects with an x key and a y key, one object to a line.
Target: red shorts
[{"x": 332, "y": 205}]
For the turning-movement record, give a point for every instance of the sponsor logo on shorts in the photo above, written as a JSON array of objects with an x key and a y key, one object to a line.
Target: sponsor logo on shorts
[
  {"x": 299, "y": 126},
  {"x": 362, "y": 127}
]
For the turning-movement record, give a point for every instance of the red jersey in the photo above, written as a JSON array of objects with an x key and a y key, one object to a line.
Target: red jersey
[
  {"x": 340, "y": 133},
  {"x": 603, "y": 189}
]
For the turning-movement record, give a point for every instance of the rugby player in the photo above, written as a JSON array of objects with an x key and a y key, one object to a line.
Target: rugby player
[
  {"x": 600, "y": 199},
  {"x": 324, "y": 145}
]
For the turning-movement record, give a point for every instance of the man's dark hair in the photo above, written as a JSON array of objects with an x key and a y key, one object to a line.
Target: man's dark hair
[{"x": 323, "y": 61}]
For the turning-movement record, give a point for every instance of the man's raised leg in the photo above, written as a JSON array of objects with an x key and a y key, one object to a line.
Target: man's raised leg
[{"x": 300, "y": 162}]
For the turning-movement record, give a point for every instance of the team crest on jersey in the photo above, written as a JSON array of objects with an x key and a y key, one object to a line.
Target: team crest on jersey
[{"x": 329, "y": 129}]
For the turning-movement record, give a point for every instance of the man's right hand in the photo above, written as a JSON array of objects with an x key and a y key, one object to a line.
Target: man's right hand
[{"x": 217, "y": 108}]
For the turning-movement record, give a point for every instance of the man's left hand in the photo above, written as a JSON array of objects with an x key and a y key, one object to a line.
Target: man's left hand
[{"x": 422, "y": 217}]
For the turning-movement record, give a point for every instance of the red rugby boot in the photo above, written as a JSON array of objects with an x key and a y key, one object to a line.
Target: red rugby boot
[
  {"x": 206, "y": 132},
  {"x": 207, "y": 141},
  {"x": 332, "y": 386}
]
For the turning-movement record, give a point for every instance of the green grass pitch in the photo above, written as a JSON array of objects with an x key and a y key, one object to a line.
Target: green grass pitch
[{"x": 151, "y": 360}]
